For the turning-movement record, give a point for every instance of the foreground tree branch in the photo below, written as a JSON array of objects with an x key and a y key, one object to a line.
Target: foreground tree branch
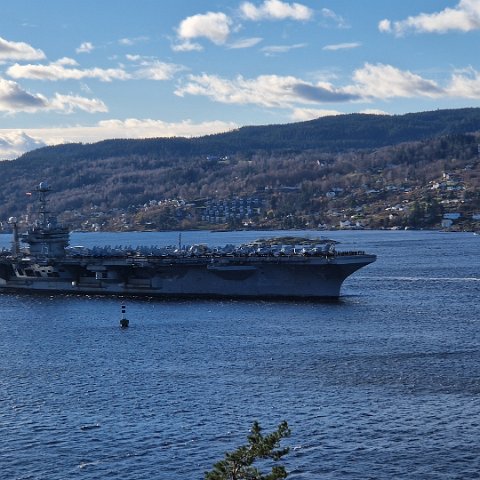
[{"x": 239, "y": 464}]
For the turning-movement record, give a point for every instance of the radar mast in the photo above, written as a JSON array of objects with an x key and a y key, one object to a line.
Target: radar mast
[{"x": 45, "y": 238}]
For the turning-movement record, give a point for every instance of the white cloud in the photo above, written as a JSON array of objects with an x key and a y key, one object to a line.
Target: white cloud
[
  {"x": 14, "y": 99},
  {"x": 341, "y": 46},
  {"x": 465, "y": 84},
  {"x": 276, "y": 49},
  {"x": 19, "y": 51},
  {"x": 66, "y": 61},
  {"x": 245, "y": 43},
  {"x": 465, "y": 17},
  {"x": 129, "y": 42},
  {"x": 142, "y": 128},
  {"x": 85, "y": 47},
  {"x": 305, "y": 114},
  {"x": 326, "y": 75},
  {"x": 385, "y": 81},
  {"x": 275, "y": 10},
  {"x": 133, "y": 58},
  {"x": 15, "y": 142},
  {"x": 58, "y": 71},
  {"x": 65, "y": 69},
  {"x": 215, "y": 26},
  {"x": 265, "y": 90},
  {"x": 333, "y": 17},
  {"x": 374, "y": 111},
  {"x": 152, "y": 69},
  {"x": 187, "y": 47},
  {"x": 69, "y": 103},
  {"x": 369, "y": 83},
  {"x": 385, "y": 25}
]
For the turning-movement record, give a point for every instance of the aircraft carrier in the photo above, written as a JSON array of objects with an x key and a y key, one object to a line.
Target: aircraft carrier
[{"x": 41, "y": 260}]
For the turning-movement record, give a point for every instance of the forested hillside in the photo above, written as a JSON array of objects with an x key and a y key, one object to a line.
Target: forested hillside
[{"x": 298, "y": 172}]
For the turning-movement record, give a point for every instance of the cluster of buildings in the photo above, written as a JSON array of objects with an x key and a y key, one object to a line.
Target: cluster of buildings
[
  {"x": 448, "y": 202},
  {"x": 449, "y": 183},
  {"x": 449, "y": 219},
  {"x": 237, "y": 209}
]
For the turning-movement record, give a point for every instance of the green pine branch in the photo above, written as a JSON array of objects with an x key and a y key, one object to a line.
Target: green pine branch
[{"x": 239, "y": 464}]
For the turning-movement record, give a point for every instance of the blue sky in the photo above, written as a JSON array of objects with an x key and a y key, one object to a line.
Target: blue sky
[{"x": 83, "y": 71}]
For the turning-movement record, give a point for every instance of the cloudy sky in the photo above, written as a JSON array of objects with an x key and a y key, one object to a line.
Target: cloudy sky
[{"x": 82, "y": 71}]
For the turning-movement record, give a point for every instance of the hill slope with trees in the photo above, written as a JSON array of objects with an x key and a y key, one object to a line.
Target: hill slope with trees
[{"x": 299, "y": 171}]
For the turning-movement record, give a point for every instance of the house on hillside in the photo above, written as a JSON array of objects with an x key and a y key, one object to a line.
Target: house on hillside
[
  {"x": 349, "y": 225},
  {"x": 449, "y": 219}
]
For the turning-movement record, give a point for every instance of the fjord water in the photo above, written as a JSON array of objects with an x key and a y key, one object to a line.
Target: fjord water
[{"x": 383, "y": 384}]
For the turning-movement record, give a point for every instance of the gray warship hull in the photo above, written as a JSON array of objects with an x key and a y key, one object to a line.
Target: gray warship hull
[
  {"x": 285, "y": 267},
  {"x": 303, "y": 277}
]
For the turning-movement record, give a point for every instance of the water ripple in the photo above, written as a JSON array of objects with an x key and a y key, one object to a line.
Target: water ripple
[{"x": 383, "y": 384}]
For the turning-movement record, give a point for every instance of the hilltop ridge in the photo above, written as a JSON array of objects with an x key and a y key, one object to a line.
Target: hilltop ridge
[{"x": 326, "y": 134}]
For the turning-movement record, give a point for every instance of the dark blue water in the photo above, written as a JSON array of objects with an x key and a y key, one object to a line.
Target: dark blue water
[{"x": 384, "y": 384}]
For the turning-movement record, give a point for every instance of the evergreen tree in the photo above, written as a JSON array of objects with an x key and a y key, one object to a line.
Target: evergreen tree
[
  {"x": 238, "y": 465},
  {"x": 416, "y": 216}
]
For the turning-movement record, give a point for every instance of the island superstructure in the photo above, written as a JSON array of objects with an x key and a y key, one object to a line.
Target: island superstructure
[{"x": 273, "y": 268}]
